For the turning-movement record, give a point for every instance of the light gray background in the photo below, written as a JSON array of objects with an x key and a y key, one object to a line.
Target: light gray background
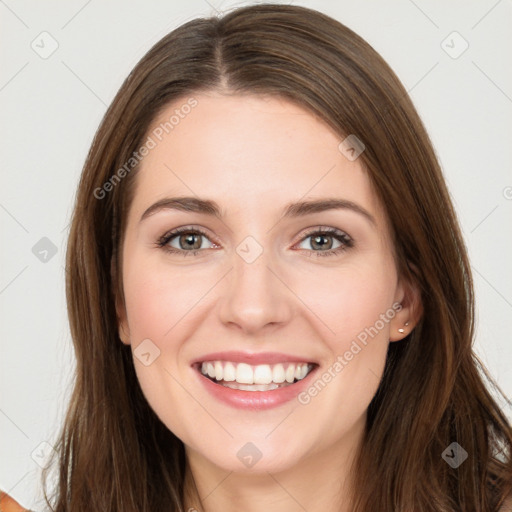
[{"x": 51, "y": 108}]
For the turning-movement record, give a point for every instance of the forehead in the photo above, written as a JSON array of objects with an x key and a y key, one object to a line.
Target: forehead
[{"x": 247, "y": 151}]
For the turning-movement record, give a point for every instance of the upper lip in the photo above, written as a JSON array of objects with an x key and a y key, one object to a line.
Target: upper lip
[{"x": 253, "y": 358}]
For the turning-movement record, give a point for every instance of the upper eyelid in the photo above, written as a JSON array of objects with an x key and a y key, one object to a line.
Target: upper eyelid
[{"x": 173, "y": 233}]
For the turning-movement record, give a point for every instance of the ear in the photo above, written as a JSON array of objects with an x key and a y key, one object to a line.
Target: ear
[{"x": 408, "y": 295}]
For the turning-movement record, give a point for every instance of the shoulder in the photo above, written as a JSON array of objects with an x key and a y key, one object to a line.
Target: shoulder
[{"x": 8, "y": 504}]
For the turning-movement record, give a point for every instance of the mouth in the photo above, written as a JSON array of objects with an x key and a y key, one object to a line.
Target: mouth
[{"x": 261, "y": 377}]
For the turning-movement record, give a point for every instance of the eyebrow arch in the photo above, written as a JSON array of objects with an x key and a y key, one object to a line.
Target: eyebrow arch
[{"x": 291, "y": 210}]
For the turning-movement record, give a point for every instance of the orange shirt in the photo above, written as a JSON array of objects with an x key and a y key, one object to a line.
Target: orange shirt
[{"x": 7, "y": 504}]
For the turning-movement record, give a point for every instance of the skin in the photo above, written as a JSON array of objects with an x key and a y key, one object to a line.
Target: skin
[{"x": 254, "y": 155}]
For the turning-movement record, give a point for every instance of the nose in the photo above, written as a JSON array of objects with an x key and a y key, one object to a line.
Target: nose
[{"x": 255, "y": 297}]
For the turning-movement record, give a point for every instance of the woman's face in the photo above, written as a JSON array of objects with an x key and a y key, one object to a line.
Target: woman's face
[{"x": 258, "y": 288}]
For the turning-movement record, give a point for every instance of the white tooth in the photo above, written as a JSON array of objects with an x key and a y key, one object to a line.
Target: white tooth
[
  {"x": 249, "y": 387},
  {"x": 244, "y": 374},
  {"x": 229, "y": 372},
  {"x": 211, "y": 370},
  {"x": 263, "y": 387},
  {"x": 262, "y": 374},
  {"x": 278, "y": 374},
  {"x": 290, "y": 373},
  {"x": 218, "y": 370}
]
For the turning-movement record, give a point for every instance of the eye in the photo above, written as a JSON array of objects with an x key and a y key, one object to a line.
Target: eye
[
  {"x": 323, "y": 238},
  {"x": 187, "y": 241}
]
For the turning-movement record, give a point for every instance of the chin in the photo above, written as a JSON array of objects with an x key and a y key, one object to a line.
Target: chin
[{"x": 244, "y": 456}]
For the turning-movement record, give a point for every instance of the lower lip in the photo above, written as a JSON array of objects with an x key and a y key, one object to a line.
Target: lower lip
[{"x": 255, "y": 400}]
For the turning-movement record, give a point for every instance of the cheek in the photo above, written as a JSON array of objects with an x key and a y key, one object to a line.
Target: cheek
[
  {"x": 157, "y": 304},
  {"x": 355, "y": 306},
  {"x": 350, "y": 300},
  {"x": 157, "y": 300}
]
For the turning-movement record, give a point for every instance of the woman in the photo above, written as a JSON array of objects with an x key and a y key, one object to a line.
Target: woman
[{"x": 269, "y": 294}]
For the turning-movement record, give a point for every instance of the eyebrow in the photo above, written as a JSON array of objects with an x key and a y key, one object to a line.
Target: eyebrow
[{"x": 291, "y": 210}]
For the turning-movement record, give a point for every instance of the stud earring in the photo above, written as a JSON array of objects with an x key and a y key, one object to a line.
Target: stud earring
[{"x": 401, "y": 331}]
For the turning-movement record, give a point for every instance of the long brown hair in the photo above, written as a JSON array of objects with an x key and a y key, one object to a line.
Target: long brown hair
[{"x": 114, "y": 453}]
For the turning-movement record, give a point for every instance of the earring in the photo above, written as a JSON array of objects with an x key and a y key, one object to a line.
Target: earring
[{"x": 401, "y": 331}]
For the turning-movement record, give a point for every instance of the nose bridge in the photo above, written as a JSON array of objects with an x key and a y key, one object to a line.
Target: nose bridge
[{"x": 254, "y": 295}]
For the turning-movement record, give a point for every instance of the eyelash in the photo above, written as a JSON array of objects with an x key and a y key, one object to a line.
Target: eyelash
[{"x": 333, "y": 232}]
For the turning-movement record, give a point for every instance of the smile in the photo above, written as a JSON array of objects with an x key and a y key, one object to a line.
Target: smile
[{"x": 261, "y": 377}]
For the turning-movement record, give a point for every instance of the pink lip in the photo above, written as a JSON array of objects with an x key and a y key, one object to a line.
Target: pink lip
[
  {"x": 254, "y": 400},
  {"x": 252, "y": 358}
]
